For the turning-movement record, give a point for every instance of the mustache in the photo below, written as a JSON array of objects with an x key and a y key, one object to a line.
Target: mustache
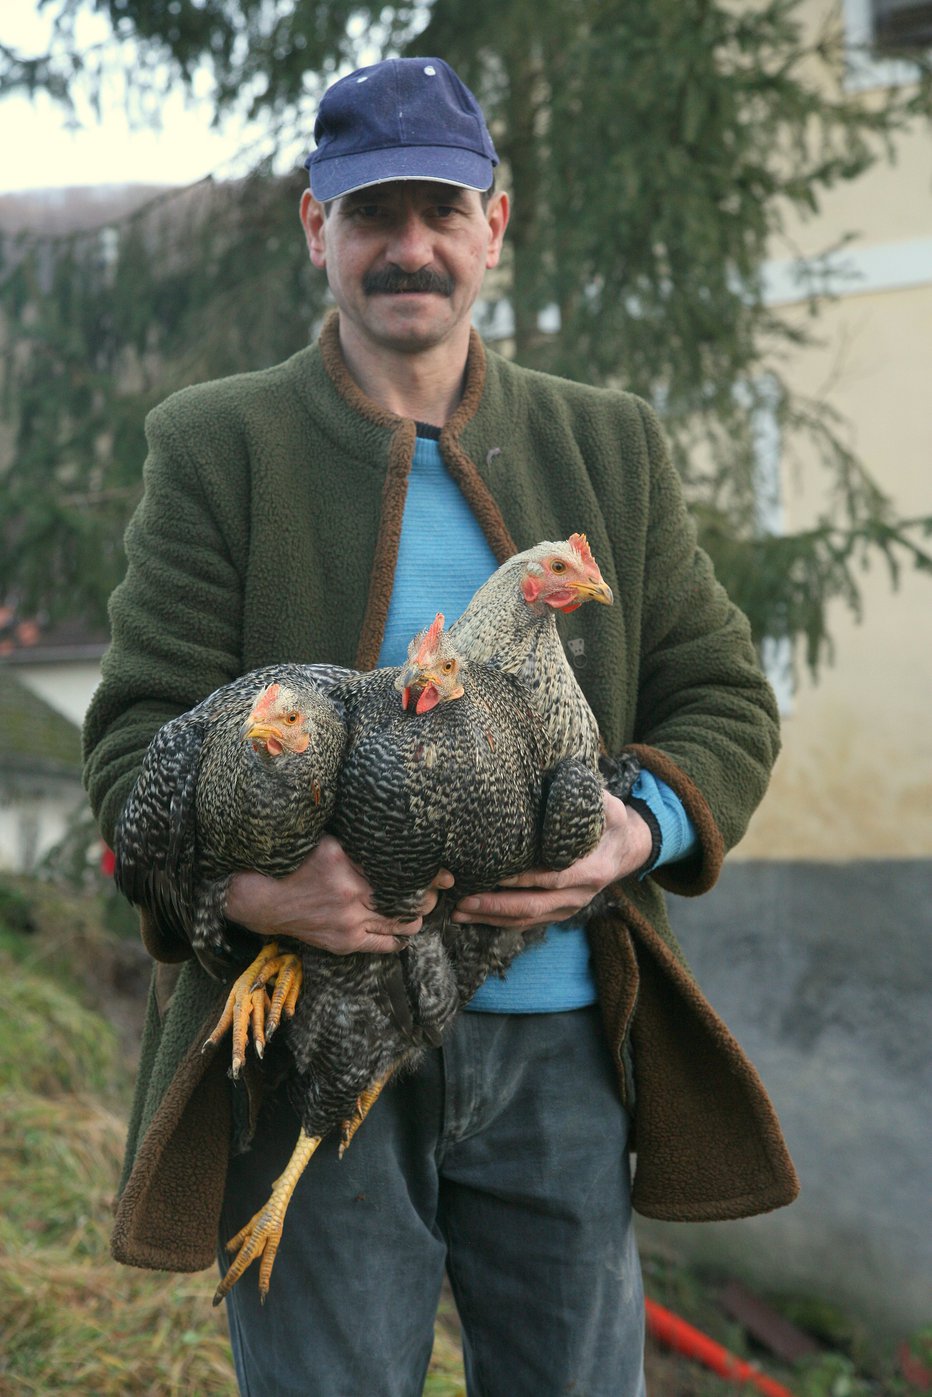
[{"x": 390, "y": 281}]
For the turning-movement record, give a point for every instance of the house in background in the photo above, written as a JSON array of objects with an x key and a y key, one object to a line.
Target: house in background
[{"x": 47, "y": 677}]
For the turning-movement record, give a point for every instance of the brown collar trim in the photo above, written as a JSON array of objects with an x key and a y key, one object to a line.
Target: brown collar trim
[
  {"x": 335, "y": 365},
  {"x": 394, "y": 490},
  {"x": 385, "y": 558},
  {"x": 479, "y": 496}
]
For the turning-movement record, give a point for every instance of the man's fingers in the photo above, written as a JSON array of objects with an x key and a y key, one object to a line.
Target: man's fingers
[
  {"x": 543, "y": 878},
  {"x": 517, "y": 909},
  {"x": 395, "y": 938}
]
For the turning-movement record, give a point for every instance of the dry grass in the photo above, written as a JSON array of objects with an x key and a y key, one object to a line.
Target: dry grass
[{"x": 71, "y": 1320}]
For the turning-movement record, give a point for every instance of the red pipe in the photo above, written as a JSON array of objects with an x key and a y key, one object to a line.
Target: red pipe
[{"x": 669, "y": 1329}]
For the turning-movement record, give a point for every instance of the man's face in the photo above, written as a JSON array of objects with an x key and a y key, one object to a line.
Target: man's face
[{"x": 406, "y": 260}]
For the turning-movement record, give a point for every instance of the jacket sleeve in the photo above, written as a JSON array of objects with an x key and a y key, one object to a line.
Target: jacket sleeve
[
  {"x": 706, "y": 719},
  {"x": 175, "y": 618}
]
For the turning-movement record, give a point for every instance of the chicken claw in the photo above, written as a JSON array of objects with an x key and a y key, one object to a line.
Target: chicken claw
[
  {"x": 249, "y": 1008},
  {"x": 263, "y": 1232},
  {"x": 364, "y": 1103}
]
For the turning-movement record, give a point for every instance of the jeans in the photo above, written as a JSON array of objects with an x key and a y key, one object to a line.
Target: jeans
[{"x": 502, "y": 1158}]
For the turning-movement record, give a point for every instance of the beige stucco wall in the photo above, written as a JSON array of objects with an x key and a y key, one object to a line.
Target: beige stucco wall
[{"x": 855, "y": 777}]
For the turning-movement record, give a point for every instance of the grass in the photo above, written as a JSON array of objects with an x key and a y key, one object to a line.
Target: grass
[{"x": 70, "y": 1320}]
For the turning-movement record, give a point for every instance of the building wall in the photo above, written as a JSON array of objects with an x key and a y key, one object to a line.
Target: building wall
[
  {"x": 35, "y": 814},
  {"x": 815, "y": 946},
  {"x": 853, "y": 780}
]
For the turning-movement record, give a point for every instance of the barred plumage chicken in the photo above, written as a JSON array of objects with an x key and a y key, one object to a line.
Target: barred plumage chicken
[
  {"x": 266, "y": 747},
  {"x": 511, "y": 623}
]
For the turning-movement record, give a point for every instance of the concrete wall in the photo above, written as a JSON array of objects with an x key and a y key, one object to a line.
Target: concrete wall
[{"x": 824, "y": 973}]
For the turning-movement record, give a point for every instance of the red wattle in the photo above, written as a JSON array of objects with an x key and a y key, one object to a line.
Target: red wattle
[{"x": 429, "y": 699}]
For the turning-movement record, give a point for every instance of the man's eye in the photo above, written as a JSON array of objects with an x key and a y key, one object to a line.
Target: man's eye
[{"x": 365, "y": 212}]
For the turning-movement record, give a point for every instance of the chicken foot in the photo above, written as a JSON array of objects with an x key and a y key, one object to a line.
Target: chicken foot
[
  {"x": 249, "y": 1008},
  {"x": 263, "y": 1232},
  {"x": 364, "y": 1103}
]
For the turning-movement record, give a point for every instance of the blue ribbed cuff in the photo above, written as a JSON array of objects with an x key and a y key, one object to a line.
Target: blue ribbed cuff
[{"x": 678, "y": 838}]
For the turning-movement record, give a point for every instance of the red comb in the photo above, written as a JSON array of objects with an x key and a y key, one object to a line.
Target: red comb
[
  {"x": 431, "y": 639},
  {"x": 266, "y": 701},
  {"x": 580, "y": 544}
]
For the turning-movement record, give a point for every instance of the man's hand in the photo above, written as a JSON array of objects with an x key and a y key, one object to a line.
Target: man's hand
[
  {"x": 325, "y": 902},
  {"x": 540, "y": 896}
]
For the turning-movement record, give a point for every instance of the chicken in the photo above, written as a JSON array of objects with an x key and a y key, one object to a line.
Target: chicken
[
  {"x": 462, "y": 775},
  {"x": 465, "y": 789},
  {"x": 246, "y": 779},
  {"x": 511, "y": 623}
]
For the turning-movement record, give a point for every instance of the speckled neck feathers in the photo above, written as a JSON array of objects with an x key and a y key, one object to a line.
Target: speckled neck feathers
[{"x": 501, "y": 628}]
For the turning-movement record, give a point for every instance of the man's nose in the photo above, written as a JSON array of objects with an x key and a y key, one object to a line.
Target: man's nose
[{"x": 409, "y": 246}]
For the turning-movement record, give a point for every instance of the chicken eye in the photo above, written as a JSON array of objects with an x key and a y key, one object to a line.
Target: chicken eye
[
  {"x": 447, "y": 667},
  {"x": 292, "y": 718},
  {"x": 557, "y": 566}
]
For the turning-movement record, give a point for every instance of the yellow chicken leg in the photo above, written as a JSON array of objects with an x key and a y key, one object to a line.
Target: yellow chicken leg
[
  {"x": 263, "y": 1232},
  {"x": 364, "y": 1103},
  {"x": 248, "y": 1007}
]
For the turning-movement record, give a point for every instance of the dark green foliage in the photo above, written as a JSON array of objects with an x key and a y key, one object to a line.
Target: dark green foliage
[
  {"x": 653, "y": 153},
  {"x": 15, "y": 910},
  {"x": 99, "y": 327}
]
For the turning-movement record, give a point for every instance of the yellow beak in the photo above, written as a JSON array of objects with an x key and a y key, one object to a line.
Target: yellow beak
[
  {"x": 594, "y": 591},
  {"x": 261, "y": 732}
]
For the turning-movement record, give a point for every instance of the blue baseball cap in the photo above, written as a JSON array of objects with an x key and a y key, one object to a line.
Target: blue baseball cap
[{"x": 404, "y": 118}]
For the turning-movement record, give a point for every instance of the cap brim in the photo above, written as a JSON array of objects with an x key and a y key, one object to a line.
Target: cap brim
[{"x": 331, "y": 179}]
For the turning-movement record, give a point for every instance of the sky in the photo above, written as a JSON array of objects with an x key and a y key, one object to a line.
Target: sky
[{"x": 38, "y": 150}]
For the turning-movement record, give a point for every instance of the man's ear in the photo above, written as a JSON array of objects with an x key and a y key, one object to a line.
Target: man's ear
[
  {"x": 313, "y": 221},
  {"x": 497, "y": 217}
]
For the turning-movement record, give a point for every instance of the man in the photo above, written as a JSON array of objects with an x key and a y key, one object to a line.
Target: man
[{"x": 319, "y": 511}]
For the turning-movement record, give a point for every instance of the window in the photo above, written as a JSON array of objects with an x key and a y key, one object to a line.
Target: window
[
  {"x": 877, "y": 28},
  {"x": 901, "y": 24}
]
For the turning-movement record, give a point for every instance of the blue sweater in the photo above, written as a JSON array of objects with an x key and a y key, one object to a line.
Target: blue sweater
[{"x": 553, "y": 974}]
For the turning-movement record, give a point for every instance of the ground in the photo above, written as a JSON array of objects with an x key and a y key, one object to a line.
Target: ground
[{"x": 72, "y": 987}]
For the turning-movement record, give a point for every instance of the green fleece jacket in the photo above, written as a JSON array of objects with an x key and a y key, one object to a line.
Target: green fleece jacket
[{"x": 268, "y": 532}]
